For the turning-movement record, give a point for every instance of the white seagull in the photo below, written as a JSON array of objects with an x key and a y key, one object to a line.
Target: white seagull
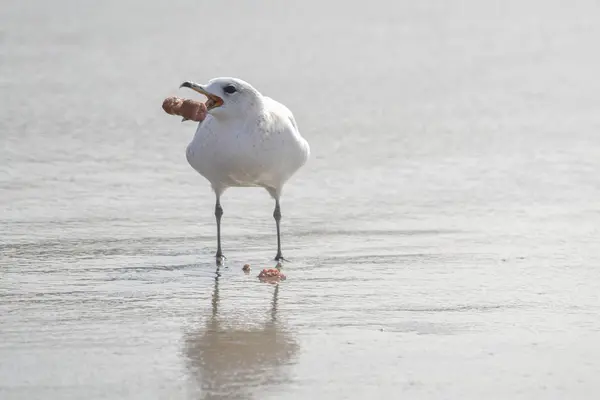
[{"x": 246, "y": 140}]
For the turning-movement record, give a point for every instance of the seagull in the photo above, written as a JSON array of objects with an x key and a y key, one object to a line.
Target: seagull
[{"x": 246, "y": 140}]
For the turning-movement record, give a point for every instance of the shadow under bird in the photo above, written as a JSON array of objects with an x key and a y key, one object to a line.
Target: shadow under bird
[{"x": 246, "y": 140}]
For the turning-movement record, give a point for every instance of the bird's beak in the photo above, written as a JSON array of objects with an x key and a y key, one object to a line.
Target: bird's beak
[{"x": 213, "y": 101}]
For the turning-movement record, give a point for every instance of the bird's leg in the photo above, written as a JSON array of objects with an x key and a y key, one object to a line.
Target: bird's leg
[
  {"x": 218, "y": 215},
  {"x": 277, "y": 216}
]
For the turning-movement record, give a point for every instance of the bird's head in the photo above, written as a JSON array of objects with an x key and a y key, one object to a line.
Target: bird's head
[{"x": 228, "y": 97}]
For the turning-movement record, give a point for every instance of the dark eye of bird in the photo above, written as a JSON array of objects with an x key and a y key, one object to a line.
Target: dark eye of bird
[{"x": 229, "y": 89}]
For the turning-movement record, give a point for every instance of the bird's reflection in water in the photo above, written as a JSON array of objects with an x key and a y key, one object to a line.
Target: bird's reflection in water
[{"x": 235, "y": 361}]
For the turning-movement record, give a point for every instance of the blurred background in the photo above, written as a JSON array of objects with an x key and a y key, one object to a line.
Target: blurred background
[{"x": 442, "y": 237}]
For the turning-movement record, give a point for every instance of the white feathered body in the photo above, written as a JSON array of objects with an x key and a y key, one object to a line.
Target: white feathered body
[{"x": 263, "y": 148}]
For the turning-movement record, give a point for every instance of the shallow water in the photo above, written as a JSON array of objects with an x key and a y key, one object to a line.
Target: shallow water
[{"x": 442, "y": 238}]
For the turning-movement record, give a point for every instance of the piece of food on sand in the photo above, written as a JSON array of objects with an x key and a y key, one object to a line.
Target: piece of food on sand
[
  {"x": 187, "y": 108},
  {"x": 271, "y": 275}
]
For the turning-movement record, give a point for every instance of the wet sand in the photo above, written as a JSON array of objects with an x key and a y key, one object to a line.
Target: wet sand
[{"x": 442, "y": 238}]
